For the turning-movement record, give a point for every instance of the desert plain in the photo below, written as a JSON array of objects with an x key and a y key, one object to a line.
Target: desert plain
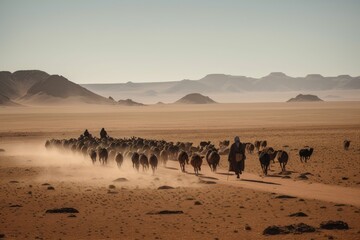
[{"x": 212, "y": 205}]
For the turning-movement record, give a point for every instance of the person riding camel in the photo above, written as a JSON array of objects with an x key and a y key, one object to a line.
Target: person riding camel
[{"x": 103, "y": 133}]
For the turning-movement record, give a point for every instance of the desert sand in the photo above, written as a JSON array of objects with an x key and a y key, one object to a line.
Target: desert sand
[{"x": 212, "y": 205}]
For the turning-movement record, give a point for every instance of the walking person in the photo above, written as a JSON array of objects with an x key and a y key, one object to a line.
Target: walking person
[{"x": 237, "y": 157}]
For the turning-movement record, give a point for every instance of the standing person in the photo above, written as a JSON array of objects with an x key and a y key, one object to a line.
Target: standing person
[{"x": 237, "y": 157}]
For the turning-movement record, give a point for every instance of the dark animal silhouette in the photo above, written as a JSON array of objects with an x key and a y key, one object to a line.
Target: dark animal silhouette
[
  {"x": 112, "y": 154},
  {"x": 144, "y": 162},
  {"x": 196, "y": 162},
  {"x": 153, "y": 160},
  {"x": 204, "y": 143},
  {"x": 183, "y": 159},
  {"x": 263, "y": 144},
  {"x": 283, "y": 158},
  {"x": 257, "y": 145},
  {"x": 135, "y": 158},
  {"x": 346, "y": 144},
  {"x": 264, "y": 159},
  {"x": 164, "y": 156},
  {"x": 103, "y": 156},
  {"x": 92, "y": 155},
  {"x": 119, "y": 159},
  {"x": 250, "y": 147},
  {"x": 213, "y": 159},
  {"x": 224, "y": 143},
  {"x": 305, "y": 154}
]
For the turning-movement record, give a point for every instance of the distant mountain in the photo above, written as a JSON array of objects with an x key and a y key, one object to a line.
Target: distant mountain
[
  {"x": 195, "y": 98},
  {"x": 222, "y": 84},
  {"x": 5, "y": 101},
  {"x": 129, "y": 102},
  {"x": 305, "y": 98},
  {"x": 33, "y": 87}
]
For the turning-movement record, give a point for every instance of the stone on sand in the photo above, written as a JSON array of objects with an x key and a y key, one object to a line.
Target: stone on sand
[
  {"x": 340, "y": 225},
  {"x": 293, "y": 228}
]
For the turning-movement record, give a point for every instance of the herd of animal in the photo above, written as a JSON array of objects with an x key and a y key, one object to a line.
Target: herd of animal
[{"x": 146, "y": 153}]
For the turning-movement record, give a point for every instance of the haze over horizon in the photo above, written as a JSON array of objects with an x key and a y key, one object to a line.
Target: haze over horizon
[{"x": 139, "y": 41}]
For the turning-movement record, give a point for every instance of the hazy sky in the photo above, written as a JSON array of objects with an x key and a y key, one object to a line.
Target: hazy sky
[{"x": 119, "y": 41}]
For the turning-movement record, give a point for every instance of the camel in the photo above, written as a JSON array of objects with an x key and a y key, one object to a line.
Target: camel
[
  {"x": 213, "y": 159},
  {"x": 135, "y": 160},
  {"x": 346, "y": 144},
  {"x": 264, "y": 159},
  {"x": 282, "y": 157},
  {"x": 250, "y": 147},
  {"x": 164, "y": 156},
  {"x": 196, "y": 162},
  {"x": 92, "y": 154},
  {"x": 183, "y": 158},
  {"x": 305, "y": 154},
  {"x": 144, "y": 162},
  {"x": 103, "y": 156},
  {"x": 119, "y": 159},
  {"x": 263, "y": 144},
  {"x": 257, "y": 145},
  {"x": 153, "y": 160}
]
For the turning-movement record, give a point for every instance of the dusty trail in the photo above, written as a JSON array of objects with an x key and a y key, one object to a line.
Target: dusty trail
[{"x": 301, "y": 189}]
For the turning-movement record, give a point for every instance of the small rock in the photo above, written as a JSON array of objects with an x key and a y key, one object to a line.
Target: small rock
[
  {"x": 62, "y": 210},
  {"x": 72, "y": 216},
  {"x": 334, "y": 225},
  {"x": 298, "y": 214},
  {"x": 286, "y": 177},
  {"x": 165, "y": 187},
  {"x": 345, "y": 178},
  {"x": 50, "y": 188},
  {"x": 197, "y": 203},
  {"x": 45, "y": 184},
  {"x": 30, "y": 192},
  {"x": 112, "y": 187},
  {"x": 2, "y": 235},
  {"x": 294, "y": 228},
  {"x": 2, "y": 150},
  {"x": 13, "y": 181},
  {"x": 247, "y": 227}
]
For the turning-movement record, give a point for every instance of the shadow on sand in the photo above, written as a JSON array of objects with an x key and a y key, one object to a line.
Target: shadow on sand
[
  {"x": 259, "y": 181},
  {"x": 226, "y": 174},
  {"x": 171, "y": 168}
]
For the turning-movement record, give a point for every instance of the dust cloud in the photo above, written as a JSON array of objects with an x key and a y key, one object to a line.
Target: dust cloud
[{"x": 66, "y": 166}]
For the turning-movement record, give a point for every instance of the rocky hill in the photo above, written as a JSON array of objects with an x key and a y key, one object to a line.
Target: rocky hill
[
  {"x": 305, "y": 98},
  {"x": 195, "y": 98},
  {"x": 35, "y": 87}
]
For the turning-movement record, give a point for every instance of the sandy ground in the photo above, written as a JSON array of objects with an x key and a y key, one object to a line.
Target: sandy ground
[{"x": 225, "y": 208}]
